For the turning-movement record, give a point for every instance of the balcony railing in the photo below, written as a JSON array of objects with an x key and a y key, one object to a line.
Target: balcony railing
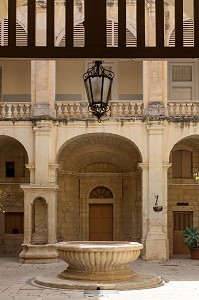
[
  {"x": 15, "y": 110},
  {"x": 79, "y": 110},
  {"x": 183, "y": 109},
  {"x": 117, "y": 109}
]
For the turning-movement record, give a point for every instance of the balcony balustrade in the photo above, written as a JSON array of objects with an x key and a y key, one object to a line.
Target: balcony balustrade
[{"x": 79, "y": 110}]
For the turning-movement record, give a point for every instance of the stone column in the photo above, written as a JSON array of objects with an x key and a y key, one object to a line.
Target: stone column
[
  {"x": 52, "y": 220},
  {"x": 156, "y": 243},
  {"x": 145, "y": 204},
  {"x": 27, "y": 219},
  {"x": 43, "y": 87},
  {"x": 42, "y": 136}
]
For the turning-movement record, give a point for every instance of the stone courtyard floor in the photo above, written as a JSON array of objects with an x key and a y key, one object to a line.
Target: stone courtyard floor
[{"x": 181, "y": 277}]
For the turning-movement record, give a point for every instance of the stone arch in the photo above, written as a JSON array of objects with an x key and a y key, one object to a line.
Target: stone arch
[{"x": 75, "y": 140}]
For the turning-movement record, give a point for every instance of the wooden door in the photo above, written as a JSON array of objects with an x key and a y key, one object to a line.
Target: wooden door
[
  {"x": 181, "y": 219},
  {"x": 101, "y": 222}
]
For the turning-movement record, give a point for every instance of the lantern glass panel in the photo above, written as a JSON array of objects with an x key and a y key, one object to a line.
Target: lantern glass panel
[
  {"x": 106, "y": 89},
  {"x": 96, "y": 83},
  {"x": 88, "y": 90}
]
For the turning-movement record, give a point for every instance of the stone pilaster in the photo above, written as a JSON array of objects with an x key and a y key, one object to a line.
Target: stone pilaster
[
  {"x": 155, "y": 88},
  {"x": 43, "y": 87},
  {"x": 42, "y": 144},
  {"x": 155, "y": 240}
]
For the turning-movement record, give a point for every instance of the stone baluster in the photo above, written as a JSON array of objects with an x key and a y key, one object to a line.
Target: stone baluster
[
  {"x": 139, "y": 109},
  {"x": 3, "y": 110},
  {"x": 15, "y": 112},
  {"x": 28, "y": 109},
  {"x": 59, "y": 109},
  {"x": 21, "y": 110},
  {"x": 132, "y": 108},
  {"x": 183, "y": 109},
  {"x": 71, "y": 109},
  {"x": 65, "y": 111},
  {"x": 84, "y": 110},
  {"x": 120, "y": 109},
  {"x": 113, "y": 109},
  {"x": 78, "y": 109},
  {"x": 189, "y": 106},
  {"x": 126, "y": 109},
  {"x": 177, "y": 109},
  {"x": 9, "y": 112},
  {"x": 171, "y": 109},
  {"x": 194, "y": 109}
]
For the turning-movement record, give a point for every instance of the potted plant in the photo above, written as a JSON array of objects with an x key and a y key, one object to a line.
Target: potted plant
[{"x": 191, "y": 240}]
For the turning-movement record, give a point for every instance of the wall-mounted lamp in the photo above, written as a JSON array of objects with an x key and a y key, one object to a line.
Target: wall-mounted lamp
[{"x": 157, "y": 208}]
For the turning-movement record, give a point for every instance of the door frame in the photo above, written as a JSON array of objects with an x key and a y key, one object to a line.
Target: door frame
[
  {"x": 106, "y": 203},
  {"x": 175, "y": 208}
]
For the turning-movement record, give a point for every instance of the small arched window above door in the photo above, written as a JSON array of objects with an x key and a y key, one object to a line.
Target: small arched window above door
[{"x": 101, "y": 192}]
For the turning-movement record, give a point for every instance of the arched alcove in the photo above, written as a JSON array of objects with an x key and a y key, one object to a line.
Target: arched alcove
[{"x": 39, "y": 221}]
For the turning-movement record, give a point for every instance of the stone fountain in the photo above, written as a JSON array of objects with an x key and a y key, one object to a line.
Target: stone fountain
[{"x": 99, "y": 265}]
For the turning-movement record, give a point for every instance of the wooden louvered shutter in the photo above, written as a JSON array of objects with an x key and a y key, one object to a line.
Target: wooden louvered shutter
[
  {"x": 182, "y": 164},
  {"x": 21, "y": 35},
  {"x": 188, "y": 34},
  {"x": 111, "y": 36}
]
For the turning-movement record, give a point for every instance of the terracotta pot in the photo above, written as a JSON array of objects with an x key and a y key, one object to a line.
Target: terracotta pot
[{"x": 194, "y": 253}]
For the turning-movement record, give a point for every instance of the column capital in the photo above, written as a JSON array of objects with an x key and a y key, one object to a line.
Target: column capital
[
  {"x": 166, "y": 165},
  {"x": 143, "y": 166}
]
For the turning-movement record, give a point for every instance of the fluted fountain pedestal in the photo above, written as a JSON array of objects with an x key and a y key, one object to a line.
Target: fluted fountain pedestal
[{"x": 104, "y": 265}]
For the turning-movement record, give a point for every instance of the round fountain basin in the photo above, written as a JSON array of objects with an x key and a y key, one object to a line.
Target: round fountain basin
[
  {"x": 94, "y": 265},
  {"x": 99, "y": 260}
]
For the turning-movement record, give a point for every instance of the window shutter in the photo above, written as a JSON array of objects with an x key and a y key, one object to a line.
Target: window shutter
[
  {"x": 176, "y": 164},
  {"x": 182, "y": 164},
  {"x": 186, "y": 164},
  {"x": 111, "y": 33},
  {"x": 188, "y": 34},
  {"x": 21, "y": 35}
]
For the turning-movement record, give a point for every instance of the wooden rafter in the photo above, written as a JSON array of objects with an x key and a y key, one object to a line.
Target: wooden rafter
[{"x": 95, "y": 33}]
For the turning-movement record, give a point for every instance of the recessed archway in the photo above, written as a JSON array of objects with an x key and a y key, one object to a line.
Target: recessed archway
[
  {"x": 183, "y": 192},
  {"x": 98, "y": 160}
]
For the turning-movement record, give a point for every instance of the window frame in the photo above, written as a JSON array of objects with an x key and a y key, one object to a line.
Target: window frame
[{"x": 183, "y": 84}]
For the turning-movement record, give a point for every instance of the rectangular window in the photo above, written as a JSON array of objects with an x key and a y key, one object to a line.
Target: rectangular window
[
  {"x": 14, "y": 222},
  {"x": 10, "y": 169},
  {"x": 182, "y": 82}
]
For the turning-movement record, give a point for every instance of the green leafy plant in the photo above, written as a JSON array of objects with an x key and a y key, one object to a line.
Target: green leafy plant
[
  {"x": 191, "y": 237},
  {"x": 196, "y": 176}
]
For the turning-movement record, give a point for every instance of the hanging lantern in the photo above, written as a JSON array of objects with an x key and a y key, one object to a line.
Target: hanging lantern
[{"x": 98, "y": 82}]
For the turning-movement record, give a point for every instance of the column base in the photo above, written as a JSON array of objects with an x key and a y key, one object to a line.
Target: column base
[
  {"x": 156, "y": 248},
  {"x": 38, "y": 254}
]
